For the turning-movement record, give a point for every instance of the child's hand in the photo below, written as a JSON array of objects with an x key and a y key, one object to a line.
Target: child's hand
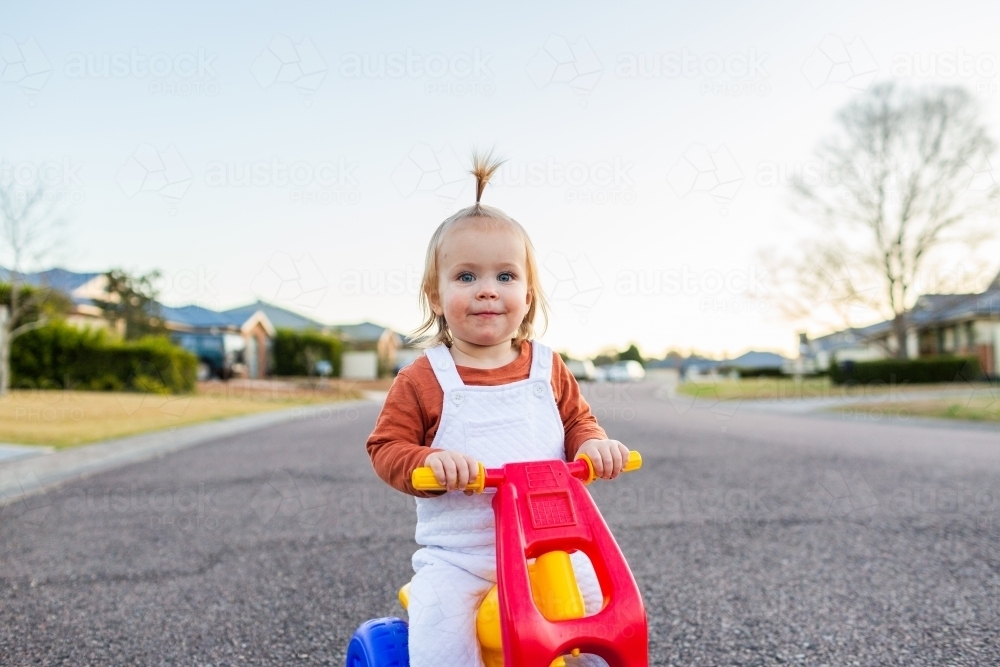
[
  {"x": 453, "y": 469},
  {"x": 608, "y": 456}
]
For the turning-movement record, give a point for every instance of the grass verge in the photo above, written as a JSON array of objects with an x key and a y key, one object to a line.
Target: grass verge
[
  {"x": 69, "y": 418},
  {"x": 814, "y": 387},
  {"x": 979, "y": 406}
]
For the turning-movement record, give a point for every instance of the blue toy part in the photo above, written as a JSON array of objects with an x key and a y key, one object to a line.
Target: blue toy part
[{"x": 380, "y": 642}]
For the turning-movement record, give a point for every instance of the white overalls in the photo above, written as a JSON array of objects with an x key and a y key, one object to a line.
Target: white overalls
[{"x": 457, "y": 566}]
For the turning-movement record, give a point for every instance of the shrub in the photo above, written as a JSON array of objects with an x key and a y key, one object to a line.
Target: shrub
[
  {"x": 914, "y": 371},
  {"x": 60, "y": 356},
  {"x": 296, "y": 352},
  {"x": 760, "y": 372}
]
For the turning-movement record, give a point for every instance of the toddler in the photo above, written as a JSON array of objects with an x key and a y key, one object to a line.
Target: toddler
[{"x": 484, "y": 391}]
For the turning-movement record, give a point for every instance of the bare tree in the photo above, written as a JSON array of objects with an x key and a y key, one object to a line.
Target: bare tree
[
  {"x": 907, "y": 172},
  {"x": 27, "y": 226}
]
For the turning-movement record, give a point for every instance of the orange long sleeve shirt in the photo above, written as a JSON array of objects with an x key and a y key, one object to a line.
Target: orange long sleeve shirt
[{"x": 410, "y": 417}]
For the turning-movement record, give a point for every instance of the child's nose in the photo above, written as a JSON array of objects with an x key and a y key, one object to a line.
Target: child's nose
[{"x": 488, "y": 291}]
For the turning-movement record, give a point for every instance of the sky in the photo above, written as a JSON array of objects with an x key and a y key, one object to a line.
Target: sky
[{"x": 303, "y": 153}]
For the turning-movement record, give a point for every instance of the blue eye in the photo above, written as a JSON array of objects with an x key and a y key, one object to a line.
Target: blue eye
[
  {"x": 505, "y": 277},
  {"x": 466, "y": 277}
]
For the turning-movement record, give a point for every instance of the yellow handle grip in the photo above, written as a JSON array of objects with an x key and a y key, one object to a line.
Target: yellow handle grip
[
  {"x": 634, "y": 462},
  {"x": 423, "y": 479}
]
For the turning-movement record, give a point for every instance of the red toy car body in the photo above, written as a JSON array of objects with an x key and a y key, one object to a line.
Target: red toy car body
[{"x": 540, "y": 507}]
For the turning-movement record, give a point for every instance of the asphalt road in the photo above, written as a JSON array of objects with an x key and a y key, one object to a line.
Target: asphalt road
[{"x": 756, "y": 538}]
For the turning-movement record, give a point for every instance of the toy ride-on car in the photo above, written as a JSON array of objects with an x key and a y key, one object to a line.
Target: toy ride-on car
[{"x": 534, "y": 616}]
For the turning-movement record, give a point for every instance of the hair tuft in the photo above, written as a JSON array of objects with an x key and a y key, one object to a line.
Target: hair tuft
[{"x": 484, "y": 165}]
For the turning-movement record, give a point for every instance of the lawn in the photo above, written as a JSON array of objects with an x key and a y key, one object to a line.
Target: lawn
[
  {"x": 69, "y": 418},
  {"x": 981, "y": 406},
  {"x": 809, "y": 387}
]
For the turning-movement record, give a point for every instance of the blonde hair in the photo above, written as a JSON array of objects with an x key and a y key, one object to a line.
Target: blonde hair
[{"x": 434, "y": 330}]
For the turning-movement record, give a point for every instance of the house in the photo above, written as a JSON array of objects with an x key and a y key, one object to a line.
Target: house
[
  {"x": 221, "y": 341},
  {"x": 279, "y": 317},
  {"x": 938, "y": 324},
  {"x": 81, "y": 288},
  {"x": 236, "y": 340},
  {"x": 370, "y": 350},
  {"x": 224, "y": 344},
  {"x": 756, "y": 363},
  {"x": 696, "y": 366}
]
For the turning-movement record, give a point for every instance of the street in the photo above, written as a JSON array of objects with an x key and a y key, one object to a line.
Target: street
[{"x": 757, "y": 538}]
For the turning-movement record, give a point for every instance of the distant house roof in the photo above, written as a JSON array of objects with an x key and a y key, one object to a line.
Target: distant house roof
[
  {"x": 929, "y": 310},
  {"x": 366, "y": 332},
  {"x": 699, "y": 363},
  {"x": 199, "y": 318},
  {"x": 674, "y": 362},
  {"x": 280, "y": 317},
  {"x": 947, "y": 308},
  {"x": 756, "y": 360},
  {"x": 60, "y": 279},
  {"x": 63, "y": 280},
  {"x": 81, "y": 288},
  {"x": 850, "y": 338}
]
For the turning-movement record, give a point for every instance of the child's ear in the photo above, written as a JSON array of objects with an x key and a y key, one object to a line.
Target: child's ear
[{"x": 435, "y": 303}]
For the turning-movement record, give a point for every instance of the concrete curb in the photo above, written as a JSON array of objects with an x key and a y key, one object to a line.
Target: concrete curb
[{"x": 24, "y": 477}]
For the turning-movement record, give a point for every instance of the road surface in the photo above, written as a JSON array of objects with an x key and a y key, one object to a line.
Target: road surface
[{"x": 757, "y": 538}]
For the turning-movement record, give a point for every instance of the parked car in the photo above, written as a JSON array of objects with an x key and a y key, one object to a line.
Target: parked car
[
  {"x": 219, "y": 355},
  {"x": 582, "y": 370},
  {"x": 626, "y": 371}
]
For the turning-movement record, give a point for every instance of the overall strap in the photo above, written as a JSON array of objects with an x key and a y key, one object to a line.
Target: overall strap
[
  {"x": 541, "y": 362},
  {"x": 444, "y": 367}
]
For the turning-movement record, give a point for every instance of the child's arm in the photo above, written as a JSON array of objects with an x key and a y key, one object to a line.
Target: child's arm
[
  {"x": 396, "y": 446},
  {"x": 583, "y": 434}
]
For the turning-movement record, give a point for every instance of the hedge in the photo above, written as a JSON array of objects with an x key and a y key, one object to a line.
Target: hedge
[
  {"x": 60, "y": 356},
  {"x": 760, "y": 372},
  {"x": 296, "y": 352},
  {"x": 914, "y": 371}
]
